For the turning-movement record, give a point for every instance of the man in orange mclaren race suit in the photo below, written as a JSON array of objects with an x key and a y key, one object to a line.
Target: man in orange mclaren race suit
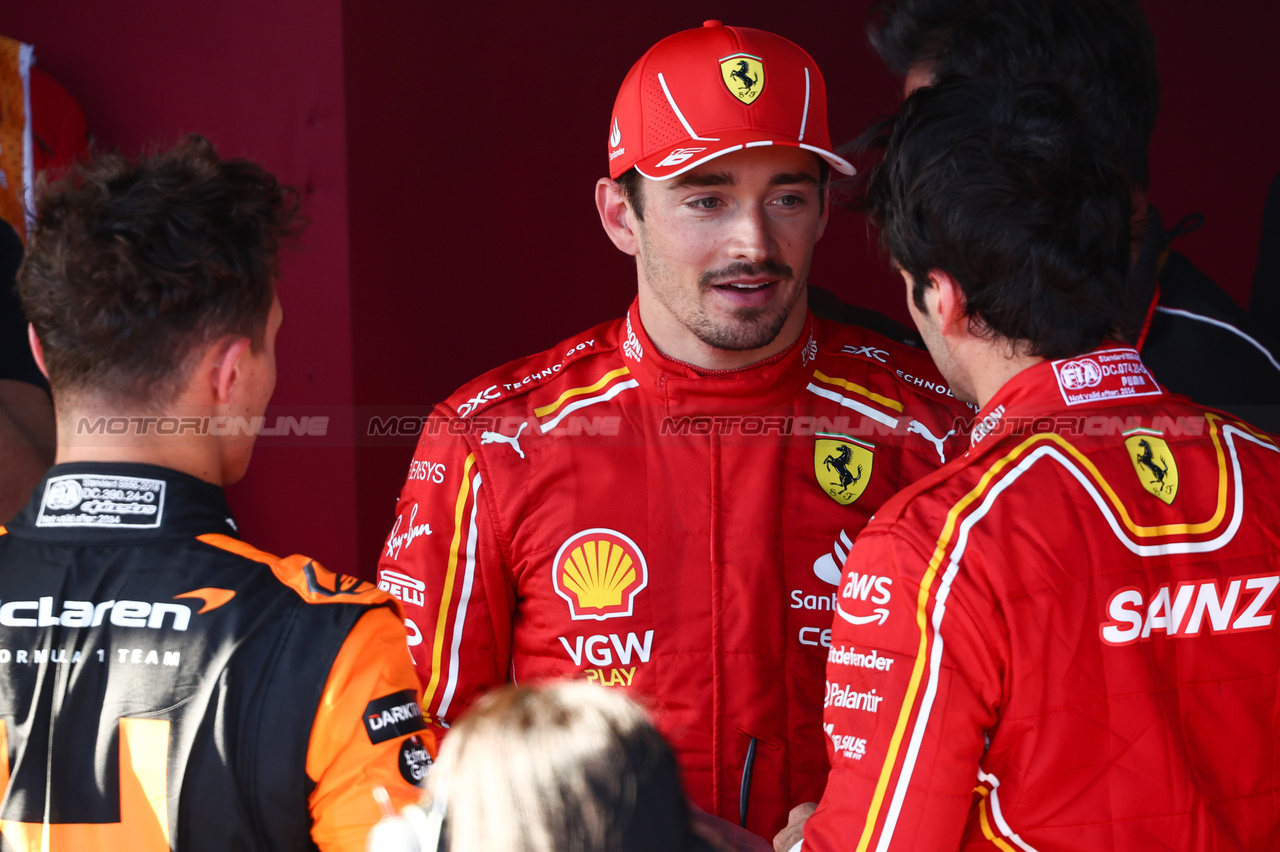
[
  {"x": 1080, "y": 642},
  {"x": 163, "y": 684},
  {"x": 662, "y": 503}
]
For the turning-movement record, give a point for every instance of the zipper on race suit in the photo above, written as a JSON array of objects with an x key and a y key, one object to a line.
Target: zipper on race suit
[{"x": 748, "y": 765}]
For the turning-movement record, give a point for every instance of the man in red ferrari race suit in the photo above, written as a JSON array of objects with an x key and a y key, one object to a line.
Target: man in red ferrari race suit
[
  {"x": 1080, "y": 650},
  {"x": 663, "y": 503}
]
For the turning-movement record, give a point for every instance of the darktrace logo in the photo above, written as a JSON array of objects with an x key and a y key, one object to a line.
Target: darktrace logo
[{"x": 392, "y": 716}]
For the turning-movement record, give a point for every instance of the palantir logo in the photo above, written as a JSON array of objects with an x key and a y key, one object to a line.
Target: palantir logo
[{"x": 599, "y": 572}]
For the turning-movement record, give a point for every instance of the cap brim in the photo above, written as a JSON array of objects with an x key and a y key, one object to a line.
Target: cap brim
[{"x": 679, "y": 159}]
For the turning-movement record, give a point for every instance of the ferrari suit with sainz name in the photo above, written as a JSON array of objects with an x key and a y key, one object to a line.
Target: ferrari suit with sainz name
[
  {"x": 163, "y": 685},
  {"x": 601, "y": 511},
  {"x": 1081, "y": 649}
]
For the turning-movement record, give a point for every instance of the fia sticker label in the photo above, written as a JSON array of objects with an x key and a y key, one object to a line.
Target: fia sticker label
[
  {"x": 1105, "y": 374},
  {"x": 88, "y": 500}
]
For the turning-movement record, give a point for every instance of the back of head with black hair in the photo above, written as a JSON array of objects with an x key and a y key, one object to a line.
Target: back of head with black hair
[
  {"x": 1007, "y": 192},
  {"x": 1101, "y": 51}
]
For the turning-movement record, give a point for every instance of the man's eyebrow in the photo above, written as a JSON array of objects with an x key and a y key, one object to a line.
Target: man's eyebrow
[
  {"x": 700, "y": 180},
  {"x": 792, "y": 177}
]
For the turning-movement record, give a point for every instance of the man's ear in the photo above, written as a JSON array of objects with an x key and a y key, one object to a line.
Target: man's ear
[
  {"x": 224, "y": 371},
  {"x": 616, "y": 216},
  {"x": 945, "y": 300},
  {"x": 37, "y": 350}
]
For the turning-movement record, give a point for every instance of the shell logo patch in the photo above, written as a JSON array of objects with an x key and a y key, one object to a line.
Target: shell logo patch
[
  {"x": 743, "y": 74},
  {"x": 1153, "y": 462},
  {"x": 842, "y": 465},
  {"x": 599, "y": 572}
]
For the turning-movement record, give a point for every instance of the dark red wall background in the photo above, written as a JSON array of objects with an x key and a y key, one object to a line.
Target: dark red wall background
[{"x": 447, "y": 155}]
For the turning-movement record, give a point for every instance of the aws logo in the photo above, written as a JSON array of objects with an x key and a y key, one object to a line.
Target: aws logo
[{"x": 599, "y": 572}]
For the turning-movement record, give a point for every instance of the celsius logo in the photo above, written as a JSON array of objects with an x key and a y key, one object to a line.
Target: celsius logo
[
  {"x": 599, "y": 572},
  {"x": 615, "y": 135},
  {"x": 1080, "y": 373}
]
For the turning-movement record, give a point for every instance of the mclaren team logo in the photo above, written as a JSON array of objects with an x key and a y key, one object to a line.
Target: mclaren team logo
[
  {"x": 599, "y": 572},
  {"x": 842, "y": 466},
  {"x": 744, "y": 75},
  {"x": 1153, "y": 462}
]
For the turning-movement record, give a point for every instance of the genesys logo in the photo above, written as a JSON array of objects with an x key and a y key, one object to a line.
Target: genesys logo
[
  {"x": 1188, "y": 609},
  {"x": 599, "y": 572},
  {"x": 392, "y": 716},
  {"x": 862, "y": 589},
  {"x": 845, "y": 745},
  {"x": 153, "y": 615}
]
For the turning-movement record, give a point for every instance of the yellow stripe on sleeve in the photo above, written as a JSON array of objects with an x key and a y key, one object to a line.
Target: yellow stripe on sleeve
[
  {"x": 860, "y": 390},
  {"x": 572, "y": 392},
  {"x": 437, "y": 645}
]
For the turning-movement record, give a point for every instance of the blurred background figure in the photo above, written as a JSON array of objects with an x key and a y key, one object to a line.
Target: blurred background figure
[
  {"x": 1191, "y": 334},
  {"x": 41, "y": 128},
  {"x": 568, "y": 766}
]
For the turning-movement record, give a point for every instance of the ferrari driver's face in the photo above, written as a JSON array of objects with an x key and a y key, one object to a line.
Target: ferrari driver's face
[{"x": 724, "y": 253}]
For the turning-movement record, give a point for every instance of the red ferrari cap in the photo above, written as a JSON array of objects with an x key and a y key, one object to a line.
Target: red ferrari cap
[{"x": 702, "y": 93}]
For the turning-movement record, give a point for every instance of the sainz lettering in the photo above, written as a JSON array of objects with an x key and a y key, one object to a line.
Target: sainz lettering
[{"x": 1186, "y": 609}]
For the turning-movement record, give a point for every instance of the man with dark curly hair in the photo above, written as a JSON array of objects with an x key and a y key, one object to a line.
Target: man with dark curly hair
[
  {"x": 1083, "y": 612},
  {"x": 1194, "y": 337},
  {"x": 163, "y": 684}
]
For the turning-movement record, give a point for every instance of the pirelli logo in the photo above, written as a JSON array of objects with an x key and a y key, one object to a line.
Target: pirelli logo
[{"x": 393, "y": 716}]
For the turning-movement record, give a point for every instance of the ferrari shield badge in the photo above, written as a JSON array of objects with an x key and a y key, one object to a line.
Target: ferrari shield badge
[
  {"x": 842, "y": 466},
  {"x": 1154, "y": 463},
  {"x": 744, "y": 75}
]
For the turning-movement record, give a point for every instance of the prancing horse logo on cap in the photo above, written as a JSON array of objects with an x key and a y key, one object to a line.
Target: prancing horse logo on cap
[{"x": 744, "y": 76}]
